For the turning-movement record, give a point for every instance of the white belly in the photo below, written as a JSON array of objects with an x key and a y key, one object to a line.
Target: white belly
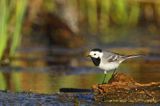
[{"x": 109, "y": 66}]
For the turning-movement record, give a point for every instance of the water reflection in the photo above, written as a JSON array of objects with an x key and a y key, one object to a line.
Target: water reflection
[
  {"x": 36, "y": 70},
  {"x": 51, "y": 79}
]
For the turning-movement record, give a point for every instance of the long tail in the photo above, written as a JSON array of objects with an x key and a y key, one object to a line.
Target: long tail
[{"x": 132, "y": 56}]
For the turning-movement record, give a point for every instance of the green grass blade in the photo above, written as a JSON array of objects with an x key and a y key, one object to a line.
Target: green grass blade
[
  {"x": 20, "y": 11},
  {"x": 3, "y": 26}
]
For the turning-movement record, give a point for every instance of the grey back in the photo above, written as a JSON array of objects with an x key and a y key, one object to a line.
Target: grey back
[{"x": 112, "y": 57}]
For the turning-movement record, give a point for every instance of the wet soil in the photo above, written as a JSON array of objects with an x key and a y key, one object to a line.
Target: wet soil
[{"x": 123, "y": 88}]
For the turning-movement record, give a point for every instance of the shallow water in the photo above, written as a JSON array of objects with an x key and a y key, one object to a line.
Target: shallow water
[
  {"x": 50, "y": 79},
  {"x": 41, "y": 73},
  {"x": 29, "y": 99}
]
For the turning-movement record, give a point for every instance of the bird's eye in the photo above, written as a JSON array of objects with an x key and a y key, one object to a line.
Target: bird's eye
[{"x": 94, "y": 54}]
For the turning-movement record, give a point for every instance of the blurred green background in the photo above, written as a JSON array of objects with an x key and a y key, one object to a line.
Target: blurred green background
[
  {"x": 42, "y": 34},
  {"x": 71, "y": 23}
]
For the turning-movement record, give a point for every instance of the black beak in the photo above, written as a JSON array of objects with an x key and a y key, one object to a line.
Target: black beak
[{"x": 88, "y": 55}]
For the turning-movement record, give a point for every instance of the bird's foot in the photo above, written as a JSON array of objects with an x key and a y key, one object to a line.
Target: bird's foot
[{"x": 104, "y": 83}]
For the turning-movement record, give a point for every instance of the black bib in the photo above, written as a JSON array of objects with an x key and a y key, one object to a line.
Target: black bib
[{"x": 96, "y": 61}]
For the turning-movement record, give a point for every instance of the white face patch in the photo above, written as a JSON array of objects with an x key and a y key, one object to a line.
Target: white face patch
[{"x": 96, "y": 54}]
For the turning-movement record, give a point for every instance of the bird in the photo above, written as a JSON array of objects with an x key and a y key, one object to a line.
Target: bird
[{"x": 108, "y": 61}]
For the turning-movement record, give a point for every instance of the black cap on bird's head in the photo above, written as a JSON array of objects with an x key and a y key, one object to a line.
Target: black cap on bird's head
[{"x": 96, "y": 49}]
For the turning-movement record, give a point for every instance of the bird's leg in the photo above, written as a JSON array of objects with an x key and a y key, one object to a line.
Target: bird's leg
[
  {"x": 105, "y": 74},
  {"x": 114, "y": 72}
]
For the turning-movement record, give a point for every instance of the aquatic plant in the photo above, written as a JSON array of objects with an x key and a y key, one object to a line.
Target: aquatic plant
[{"x": 11, "y": 18}]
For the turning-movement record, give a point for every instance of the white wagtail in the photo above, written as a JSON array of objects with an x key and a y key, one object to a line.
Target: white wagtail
[{"x": 108, "y": 60}]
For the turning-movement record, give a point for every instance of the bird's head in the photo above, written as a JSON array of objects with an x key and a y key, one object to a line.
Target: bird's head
[{"x": 95, "y": 53}]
